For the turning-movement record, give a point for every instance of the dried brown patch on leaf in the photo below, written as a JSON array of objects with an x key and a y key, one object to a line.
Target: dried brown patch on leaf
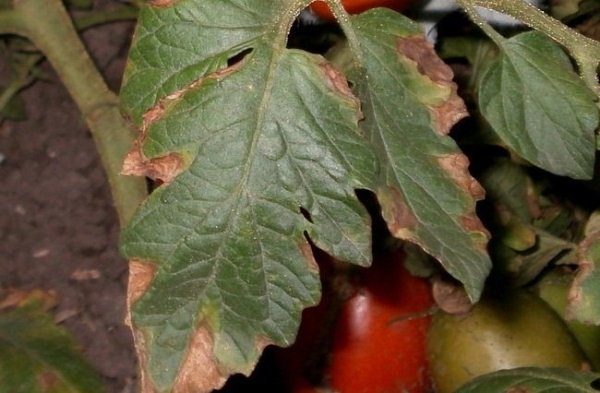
[
  {"x": 139, "y": 341},
  {"x": 141, "y": 274},
  {"x": 421, "y": 51},
  {"x": 199, "y": 372},
  {"x": 400, "y": 218},
  {"x": 457, "y": 167},
  {"x": 449, "y": 113},
  {"x": 450, "y": 297},
  {"x": 164, "y": 168},
  {"x": 337, "y": 82},
  {"x": 306, "y": 251}
]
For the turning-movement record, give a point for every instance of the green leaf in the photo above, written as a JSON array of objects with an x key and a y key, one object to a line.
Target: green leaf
[
  {"x": 254, "y": 146},
  {"x": 584, "y": 296},
  {"x": 533, "y": 380},
  {"x": 410, "y": 103},
  {"x": 539, "y": 107},
  {"x": 36, "y": 356}
]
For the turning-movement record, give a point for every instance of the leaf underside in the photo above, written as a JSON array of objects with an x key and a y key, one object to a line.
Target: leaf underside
[
  {"x": 260, "y": 147},
  {"x": 539, "y": 107}
]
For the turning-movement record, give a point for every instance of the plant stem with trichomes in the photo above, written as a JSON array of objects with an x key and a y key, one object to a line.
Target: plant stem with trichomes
[{"x": 48, "y": 25}]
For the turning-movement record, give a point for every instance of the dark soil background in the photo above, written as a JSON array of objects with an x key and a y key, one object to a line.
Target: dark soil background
[{"x": 58, "y": 229}]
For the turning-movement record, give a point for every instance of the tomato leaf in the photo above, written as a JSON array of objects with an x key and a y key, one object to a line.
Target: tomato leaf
[
  {"x": 584, "y": 295},
  {"x": 533, "y": 380},
  {"x": 36, "y": 356},
  {"x": 539, "y": 107},
  {"x": 245, "y": 150},
  {"x": 410, "y": 104}
]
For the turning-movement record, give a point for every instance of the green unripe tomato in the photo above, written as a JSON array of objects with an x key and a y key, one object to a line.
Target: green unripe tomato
[
  {"x": 518, "y": 330},
  {"x": 554, "y": 289}
]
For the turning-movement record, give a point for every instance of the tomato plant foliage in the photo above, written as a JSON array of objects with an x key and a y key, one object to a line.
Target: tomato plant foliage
[{"x": 259, "y": 147}]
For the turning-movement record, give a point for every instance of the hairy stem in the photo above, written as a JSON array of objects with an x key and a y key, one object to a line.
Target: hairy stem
[
  {"x": 47, "y": 24},
  {"x": 584, "y": 50}
]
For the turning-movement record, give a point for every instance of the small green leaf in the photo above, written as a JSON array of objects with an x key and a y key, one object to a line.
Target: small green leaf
[
  {"x": 36, "y": 356},
  {"x": 533, "y": 380},
  {"x": 539, "y": 107}
]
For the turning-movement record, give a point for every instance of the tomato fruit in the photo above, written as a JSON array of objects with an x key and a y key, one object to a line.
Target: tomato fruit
[
  {"x": 379, "y": 341},
  {"x": 357, "y": 6},
  {"x": 519, "y": 330}
]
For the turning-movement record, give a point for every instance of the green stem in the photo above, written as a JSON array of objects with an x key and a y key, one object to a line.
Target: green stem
[
  {"x": 47, "y": 24},
  {"x": 471, "y": 10},
  {"x": 584, "y": 50},
  {"x": 11, "y": 22},
  {"x": 344, "y": 20}
]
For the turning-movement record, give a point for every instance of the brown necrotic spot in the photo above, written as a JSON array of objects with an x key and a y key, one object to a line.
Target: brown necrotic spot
[
  {"x": 337, "y": 82},
  {"x": 307, "y": 253},
  {"x": 141, "y": 274},
  {"x": 421, "y": 51},
  {"x": 165, "y": 168},
  {"x": 457, "y": 167},
  {"x": 428, "y": 63},
  {"x": 199, "y": 372},
  {"x": 169, "y": 166}
]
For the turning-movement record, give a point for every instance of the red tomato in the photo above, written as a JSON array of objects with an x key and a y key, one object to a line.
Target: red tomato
[
  {"x": 380, "y": 338},
  {"x": 358, "y": 6}
]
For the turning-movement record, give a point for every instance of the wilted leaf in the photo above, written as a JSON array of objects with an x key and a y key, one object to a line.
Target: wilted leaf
[
  {"x": 533, "y": 380},
  {"x": 37, "y": 356},
  {"x": 410, "y": 104},
  {"x": 584, "y": 296},
  {"x": 539, "y": 106}
]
